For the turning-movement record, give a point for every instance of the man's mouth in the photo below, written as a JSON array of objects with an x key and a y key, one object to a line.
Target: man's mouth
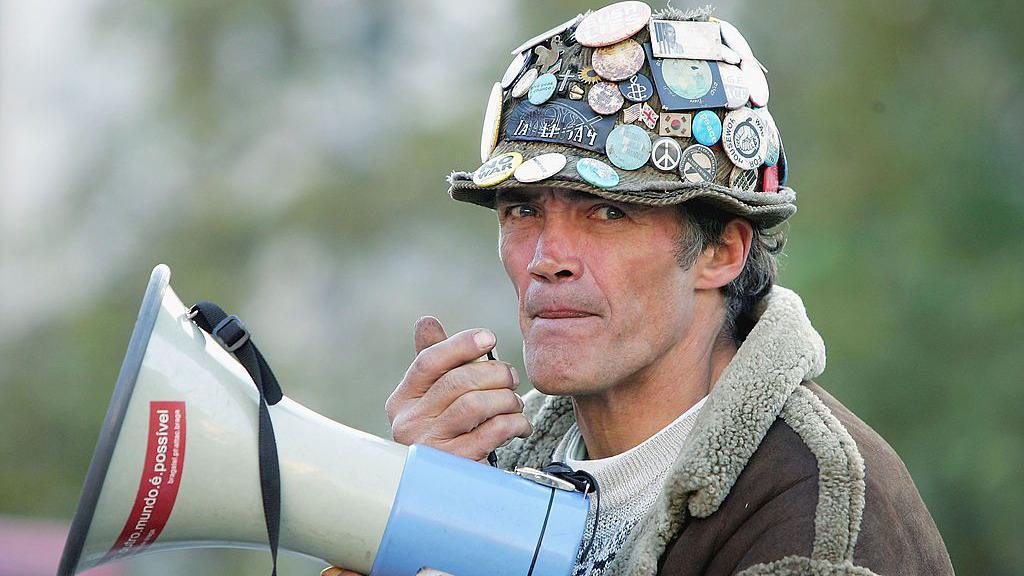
[{"x": 560, "y": 314}]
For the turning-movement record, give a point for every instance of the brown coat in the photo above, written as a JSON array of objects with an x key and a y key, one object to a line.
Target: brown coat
[{"x": 777, "y": 477}]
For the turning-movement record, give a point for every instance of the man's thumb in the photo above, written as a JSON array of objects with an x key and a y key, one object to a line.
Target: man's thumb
[{"x": 427, "y": 332}]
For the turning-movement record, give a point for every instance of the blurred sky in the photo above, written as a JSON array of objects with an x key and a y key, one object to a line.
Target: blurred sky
[{"x": 287, "y": 160}]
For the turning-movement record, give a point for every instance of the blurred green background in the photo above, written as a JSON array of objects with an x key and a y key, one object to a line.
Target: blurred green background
[{"x": 287, "y": 160}]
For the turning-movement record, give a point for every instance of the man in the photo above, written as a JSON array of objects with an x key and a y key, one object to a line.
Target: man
[{"x": 665, "y": 360}]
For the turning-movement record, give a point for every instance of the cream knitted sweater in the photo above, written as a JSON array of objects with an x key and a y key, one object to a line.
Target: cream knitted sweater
[{"x": 630, "y": 484}]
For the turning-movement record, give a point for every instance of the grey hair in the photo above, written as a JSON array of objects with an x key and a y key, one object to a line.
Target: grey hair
[{"x": 703, "y": 225}]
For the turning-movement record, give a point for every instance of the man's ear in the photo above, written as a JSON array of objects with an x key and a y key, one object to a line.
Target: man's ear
[{"x": 721, "y": 264}]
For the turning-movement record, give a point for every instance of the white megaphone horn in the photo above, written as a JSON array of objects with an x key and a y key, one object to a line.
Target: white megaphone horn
[{"x": 176, "y": 467}]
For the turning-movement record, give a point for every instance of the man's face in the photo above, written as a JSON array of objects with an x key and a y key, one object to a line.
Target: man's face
[{"x": 601, "y": 296}]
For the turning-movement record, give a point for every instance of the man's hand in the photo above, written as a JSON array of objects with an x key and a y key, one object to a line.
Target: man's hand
[{"x": 449, "y": 402}]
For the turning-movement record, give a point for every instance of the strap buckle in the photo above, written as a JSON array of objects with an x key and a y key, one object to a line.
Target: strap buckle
[{"x": 236, "y": 336}]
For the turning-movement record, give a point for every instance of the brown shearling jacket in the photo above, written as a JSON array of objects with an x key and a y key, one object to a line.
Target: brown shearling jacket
[{"x": 776, "y": 478}]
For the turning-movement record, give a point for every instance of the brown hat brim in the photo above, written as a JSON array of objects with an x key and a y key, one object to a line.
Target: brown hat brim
[{"x": 645, "y": 186}]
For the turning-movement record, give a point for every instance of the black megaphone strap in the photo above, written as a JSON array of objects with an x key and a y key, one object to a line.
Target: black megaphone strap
[{"x": 233, "y": 336}]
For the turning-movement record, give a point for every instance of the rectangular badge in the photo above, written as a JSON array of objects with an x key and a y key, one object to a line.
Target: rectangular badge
[
  {"x": 686, "y": 84},
  {"x": 560, "y": 121},
  {"x": 685, "y": 39}
]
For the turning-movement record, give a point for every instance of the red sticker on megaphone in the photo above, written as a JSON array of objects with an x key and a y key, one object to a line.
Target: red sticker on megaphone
[{"x": 161, "y": 477}]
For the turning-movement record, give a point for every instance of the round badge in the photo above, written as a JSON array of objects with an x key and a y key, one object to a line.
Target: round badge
[
  {"x": 665, "y": 154},
  {"x": 757, "y": 82},
  {"x": 597, "y": 173},
  {"x": 588, "y": 75},
  {"x": 522, "y": 86},
  {"x": 542, "y": 88},
  {"x": 734, "y": 81},
  {"x": 733, "y": 39},
  {"x": 688, "y": 78},
  {"x": 605, "y": 98},
  {"x": 628, "y": 146},
  {"x": 492, "y": 120},
  {"x": 706, "y": 127},
  {"x": 771, "y": 156},
  {"x": 497, "y": 169},
  {"x": 637, "y": 88},
  {"x": 698, "y": 165},
  {"x": 744, "y": 180},
  {"x": 730, "y": 56},
  {"x": 618, "y": 61},
  {"x": 540, "y": 167},
  {"x": 743, "y": 138},
  {"x": 770, "y": 179},
  {"x": 783, "y": 165},
  {"x": 515, "y": 68},
  {"x": 613, "y": 23}
]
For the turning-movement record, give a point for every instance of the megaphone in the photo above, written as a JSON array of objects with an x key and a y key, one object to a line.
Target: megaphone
[{"x": 176, "y": 467}]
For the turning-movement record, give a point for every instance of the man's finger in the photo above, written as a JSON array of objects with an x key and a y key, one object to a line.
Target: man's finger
[
  {"x": 435, "y": 361},
  {"x": 427, "y": 332}
]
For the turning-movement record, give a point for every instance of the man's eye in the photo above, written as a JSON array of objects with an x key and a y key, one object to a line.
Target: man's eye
[
  {"x": 607, "y": 212},
  {"x": 520, "y": 211}
]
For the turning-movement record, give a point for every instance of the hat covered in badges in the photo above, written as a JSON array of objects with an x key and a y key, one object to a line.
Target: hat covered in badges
[{"x": 637, "y": 107}]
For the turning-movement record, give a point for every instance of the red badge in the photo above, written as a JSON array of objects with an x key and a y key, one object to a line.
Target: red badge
[
  {"x": 161, "y": 477},
  {"x": 770, "y": 178}
]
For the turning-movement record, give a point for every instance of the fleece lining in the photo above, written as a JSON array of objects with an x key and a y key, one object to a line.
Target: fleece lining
[{"x": 760, "y": 384}]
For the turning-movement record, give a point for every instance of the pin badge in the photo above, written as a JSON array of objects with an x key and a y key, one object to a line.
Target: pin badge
[
  {"x": 632, "y": 113},
  {"x": 744, "y": 180},
  {"x": 492, "y": 122},
  {"x": 771, "y": 156},
  {"x": 565, "y": 78},
  {"x": 597, "y": 173},
  {"x": 618, "y": 61},
  {"x": 730, "y": 56},
  {"x": 548, "y": 57},
  {"x": 540, "y": 167},
  {"x": 743, "y": 138},
  {"x": 770, "y": 179},
  {"x": 515, "y": 68},
  {"x": 497, "y": 169},
  {"x": 522, "y": 86},
  {"x": 735, "y": 83},
  {"x": 698, "y": 165},
  {"x": 666, "y": 154},
  {"x": 649, "y": 116},
  {"x": 733, "y": 39},
  {"x": 684, "y": 84},
  {"x": 605, "y": 98},
  {"x": 559, "y": 121},
  {"x": 675, "y": 124},
  {"x": 613, "y": 23},
  {"x": 589, "y": 76},
  {"x": 686, "y": 39},
  {"x": 757, "y": 82},
  {"x": 542, "y": 89},
  {"x": 637, "y": 88},
  {"x": 706, "y": 127},
  {"x": 628, "y": 146}
]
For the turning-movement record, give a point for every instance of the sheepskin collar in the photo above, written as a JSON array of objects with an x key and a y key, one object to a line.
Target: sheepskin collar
[{"x": 781, "y": 351}]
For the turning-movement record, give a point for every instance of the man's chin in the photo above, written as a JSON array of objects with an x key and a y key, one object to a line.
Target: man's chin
[{"x": 558, "y": 373}]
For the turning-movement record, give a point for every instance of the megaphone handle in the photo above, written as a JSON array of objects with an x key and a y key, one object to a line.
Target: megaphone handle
[{"x": 233, "y": 336}]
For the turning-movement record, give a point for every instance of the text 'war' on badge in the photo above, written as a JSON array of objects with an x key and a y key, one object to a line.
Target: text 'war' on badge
[{"x": 560, "y": 121}]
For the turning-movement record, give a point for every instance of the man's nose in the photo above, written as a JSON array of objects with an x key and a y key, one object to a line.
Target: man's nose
[{"x": 556, "y": 258}]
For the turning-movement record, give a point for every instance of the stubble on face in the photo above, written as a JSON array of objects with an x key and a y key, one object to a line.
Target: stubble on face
[{"x": 621, "y": 276}]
